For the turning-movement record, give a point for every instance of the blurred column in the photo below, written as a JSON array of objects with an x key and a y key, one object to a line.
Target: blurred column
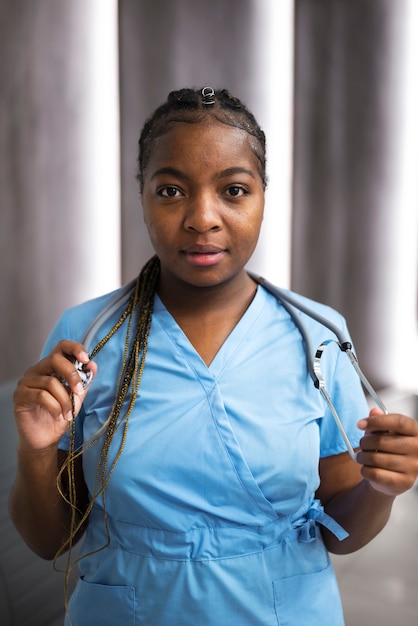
[
  {"x": 59, "y": 175},
  {"x": 355, "y": 227}
]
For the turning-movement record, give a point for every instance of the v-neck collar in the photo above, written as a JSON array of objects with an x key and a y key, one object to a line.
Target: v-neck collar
[{"x": 227, "y": 349}]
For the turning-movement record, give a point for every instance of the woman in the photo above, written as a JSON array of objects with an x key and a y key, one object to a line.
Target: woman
[{"x": 211, "y": 481}]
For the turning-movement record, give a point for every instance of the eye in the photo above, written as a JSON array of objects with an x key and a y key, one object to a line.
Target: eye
[
  {"x": 236, "y": 191},
  {"x": 168, "y": 192}
]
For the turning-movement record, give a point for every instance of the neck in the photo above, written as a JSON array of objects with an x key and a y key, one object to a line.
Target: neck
[
  {"x": 207, "y": 315},
  {"x": 186, "y": 299}
]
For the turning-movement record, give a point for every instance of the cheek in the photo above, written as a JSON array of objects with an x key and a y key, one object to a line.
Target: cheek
[
  {"x": 161, "y": 232},
  {"x": 250, "y": 226},
  {"x": 154, "y": 220}
]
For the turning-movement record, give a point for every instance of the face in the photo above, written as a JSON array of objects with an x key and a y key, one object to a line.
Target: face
[{"x": 203, "y": 201}]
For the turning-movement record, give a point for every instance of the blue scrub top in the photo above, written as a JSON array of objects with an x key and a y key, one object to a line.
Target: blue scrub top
[{"x": 211, "y": 507}]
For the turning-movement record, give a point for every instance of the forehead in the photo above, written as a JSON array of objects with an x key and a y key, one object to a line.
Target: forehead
[{"x": 201, "y": 145}]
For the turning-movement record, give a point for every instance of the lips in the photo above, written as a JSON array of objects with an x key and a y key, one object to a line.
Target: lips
[{"x": 203, "y": 255}]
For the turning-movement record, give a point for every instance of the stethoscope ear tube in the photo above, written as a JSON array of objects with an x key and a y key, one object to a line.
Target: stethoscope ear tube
[{"x": 365, "y": 381}]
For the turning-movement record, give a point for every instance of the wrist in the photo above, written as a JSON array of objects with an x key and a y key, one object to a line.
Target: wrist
[
  {"x": 35, "y": 460},
  {"x": 378, "y": 492}
]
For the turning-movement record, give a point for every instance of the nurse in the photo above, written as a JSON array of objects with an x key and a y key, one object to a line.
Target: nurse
[{"x": 201, "y": 466}]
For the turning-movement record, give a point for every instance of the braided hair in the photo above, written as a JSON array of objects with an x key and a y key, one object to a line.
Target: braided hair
[
  {"x": 195, "y": 106},
  {"x": 136, "y": 319}
]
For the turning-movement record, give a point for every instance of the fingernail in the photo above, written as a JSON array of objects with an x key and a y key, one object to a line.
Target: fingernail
[
  {"x": 69, "y": 416},
  {"x": 84, "y": 357},
  {"x": 79, "y": 389}
]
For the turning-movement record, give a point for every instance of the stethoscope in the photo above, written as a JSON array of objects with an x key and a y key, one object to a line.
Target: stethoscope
[
  {"x": 313, "y": 359},
  {"x": 293, "y": 306}
]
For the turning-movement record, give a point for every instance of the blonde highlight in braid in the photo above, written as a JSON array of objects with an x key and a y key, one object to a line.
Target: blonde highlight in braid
[{"x": 134, "y": 355}]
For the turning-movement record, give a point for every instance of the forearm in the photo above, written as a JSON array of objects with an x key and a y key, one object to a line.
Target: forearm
[
  {"x": 362, "y": 511},
  {"x": 37, "y": 509}
]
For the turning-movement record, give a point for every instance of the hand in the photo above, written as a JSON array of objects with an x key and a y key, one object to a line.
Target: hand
[
  {"x": 389, "y": 451},
  {"x": 43, "y": 405}
]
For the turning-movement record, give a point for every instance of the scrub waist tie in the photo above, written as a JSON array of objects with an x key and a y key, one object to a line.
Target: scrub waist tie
[{"x": 209, "y": 542}]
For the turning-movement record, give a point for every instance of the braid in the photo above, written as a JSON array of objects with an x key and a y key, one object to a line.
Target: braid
[
  {"x": 141, "y": 304},
  {"x": 190, "y": 106}
]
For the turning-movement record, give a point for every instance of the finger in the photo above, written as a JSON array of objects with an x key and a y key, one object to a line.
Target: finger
[
  {"x": 72, "y": 348},
  {"x": 56, "y": 368},
  {"x": 51, "y": 375},
  {"x": 373, "y": 411},
  {"x": 376, "y": 411},
  {"x": 388, "y": 481},
  {"x": 392, "y": 422},
  {"x": 73, "y": 374},
  {"x": 391, "y": 462},
  {"x": 387, "y": 442},
  {"x": 45, "y": 393},
  {"x": 76, "y": 354},
  {"x": 54, "y": 385}
]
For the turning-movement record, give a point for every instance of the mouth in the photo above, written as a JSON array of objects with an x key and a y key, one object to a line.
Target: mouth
[{"x": 204, "y": 255}]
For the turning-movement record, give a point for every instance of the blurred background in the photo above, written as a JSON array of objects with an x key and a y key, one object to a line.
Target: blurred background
[{"x": 334, "y": 84}]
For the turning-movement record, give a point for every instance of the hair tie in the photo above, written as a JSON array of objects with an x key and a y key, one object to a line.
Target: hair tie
[{"x": 208, "y": 95}]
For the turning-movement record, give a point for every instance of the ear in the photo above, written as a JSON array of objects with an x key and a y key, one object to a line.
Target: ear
[{"x": 144, "y": 217}]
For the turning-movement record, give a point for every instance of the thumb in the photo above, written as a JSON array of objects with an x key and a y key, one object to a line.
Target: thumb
[{"x": 376, "y": 411}]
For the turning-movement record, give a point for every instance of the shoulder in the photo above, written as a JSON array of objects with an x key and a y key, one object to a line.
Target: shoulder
[
  {"x": 324, "y": 310},
  {"x": 303, "y": 306},
  {"x": 75, "y": 323},
  {"x": 87, "y": 311},
  {"x": 91, "y": 308}
]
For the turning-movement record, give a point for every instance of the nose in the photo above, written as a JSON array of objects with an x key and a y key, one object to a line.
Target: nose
[{"x": 202, "y": 213}]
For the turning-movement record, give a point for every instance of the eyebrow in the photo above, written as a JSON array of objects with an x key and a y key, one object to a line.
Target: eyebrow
[
  {"x": 170, "y": 170},
  {"x": 230, "y": 171},
  {"x": 235, "y": 170}
]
